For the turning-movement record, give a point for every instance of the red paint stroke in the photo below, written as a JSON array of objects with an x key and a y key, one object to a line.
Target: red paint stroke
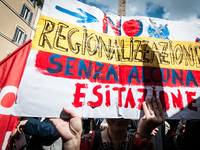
[
  {"x": 130, "y": 100},
  {"x": 177, "y": 100},
  {"x": 131, "y": 27}
]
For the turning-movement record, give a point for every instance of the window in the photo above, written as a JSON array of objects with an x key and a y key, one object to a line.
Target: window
[
  {"x": 19, "y": 36},
  {"x": 33, "y": 2},
  {"x": 26, "y": 13}
]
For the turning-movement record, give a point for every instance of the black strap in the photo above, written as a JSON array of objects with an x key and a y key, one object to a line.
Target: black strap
[{"x": 97, "y": 140}]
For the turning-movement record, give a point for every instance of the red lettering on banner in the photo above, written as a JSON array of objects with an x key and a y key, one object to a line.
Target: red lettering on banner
[
  {"x": 132, "y": 27},
  {"x": 163, "y": 96},
  {"x": 164, "y": 99},
  {"x": 78, "y": 95},
  {"x": 99, "y": 95},
  {"x": 177, "y": 101},
  {"x": 107, "y": 21},
  {"x": 154, "y": 92},
  {"x": 107, "y": 96},
  {"x": 142, "y": 99},
  {"x": 191, "y": 100},
  {"x": 120, "y": 90},
  {"x": 130, "y": 99}
]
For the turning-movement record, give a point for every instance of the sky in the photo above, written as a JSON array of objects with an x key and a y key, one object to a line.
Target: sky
[{"x": 176, "y": 10}]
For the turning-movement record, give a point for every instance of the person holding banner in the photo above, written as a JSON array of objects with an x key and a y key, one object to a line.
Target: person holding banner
[{"x": 116, "y": 136}]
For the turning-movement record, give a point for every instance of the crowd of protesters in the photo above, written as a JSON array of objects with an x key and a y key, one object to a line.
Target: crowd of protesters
[{"x": 150, "y": 132}]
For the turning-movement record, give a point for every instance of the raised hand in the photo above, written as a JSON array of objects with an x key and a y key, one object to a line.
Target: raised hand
[
  {"x": 70, "y": 129},
  {"x": 153, "y": 117}
]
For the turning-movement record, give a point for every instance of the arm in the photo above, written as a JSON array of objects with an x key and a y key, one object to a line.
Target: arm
[
  {"x": 153, "y": 117},
  {"x": 44, "y": 129}
]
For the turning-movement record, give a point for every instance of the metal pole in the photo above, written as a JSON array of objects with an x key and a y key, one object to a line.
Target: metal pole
[{"x": 122, "y": 7}]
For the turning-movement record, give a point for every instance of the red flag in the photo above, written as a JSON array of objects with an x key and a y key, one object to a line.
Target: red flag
[{"x": 11, "y": 70}]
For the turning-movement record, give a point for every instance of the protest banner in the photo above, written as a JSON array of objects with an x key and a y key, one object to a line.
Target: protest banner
[{"x": 105, "y": 76}]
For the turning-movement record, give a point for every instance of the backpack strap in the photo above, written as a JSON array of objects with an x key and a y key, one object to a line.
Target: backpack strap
[{"x": 96, "y": 140}]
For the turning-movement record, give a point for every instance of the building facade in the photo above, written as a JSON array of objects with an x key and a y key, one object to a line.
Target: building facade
[{"x": 18, "y": 22}]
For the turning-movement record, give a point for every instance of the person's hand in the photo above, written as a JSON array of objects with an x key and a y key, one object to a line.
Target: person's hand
[
  {"x": 21, "y": 125},
  {"x": 70, "y": 129},
  {"x": 154, "y": 132},
  {"x": 153, "y": 117}
]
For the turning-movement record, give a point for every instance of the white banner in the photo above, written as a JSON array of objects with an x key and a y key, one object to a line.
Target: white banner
[{"x": 109, "y": 75}]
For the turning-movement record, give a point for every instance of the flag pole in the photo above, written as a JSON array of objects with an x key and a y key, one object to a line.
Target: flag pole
[{"x": 122, "y": 8}]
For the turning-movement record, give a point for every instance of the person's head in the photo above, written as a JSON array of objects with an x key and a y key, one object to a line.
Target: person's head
[{"x": 118, "y": 124}]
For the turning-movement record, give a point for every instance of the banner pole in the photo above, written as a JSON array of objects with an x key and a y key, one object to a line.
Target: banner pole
[{"x": 122, "y": 7}]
